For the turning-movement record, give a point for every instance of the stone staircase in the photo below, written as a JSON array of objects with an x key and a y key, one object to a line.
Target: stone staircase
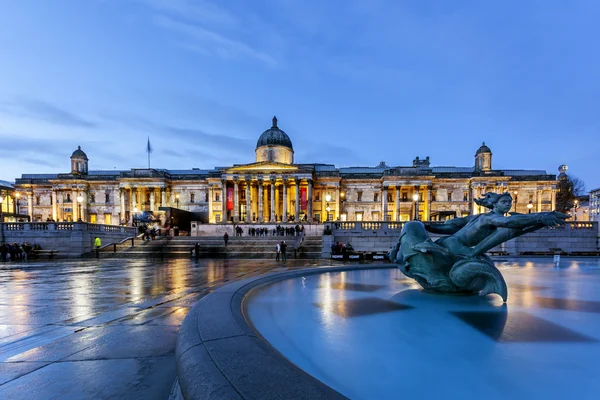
[{"x": 239, "y": 247}]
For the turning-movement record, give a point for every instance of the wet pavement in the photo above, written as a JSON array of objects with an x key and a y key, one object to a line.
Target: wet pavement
[{"x": 103, "y": 329}]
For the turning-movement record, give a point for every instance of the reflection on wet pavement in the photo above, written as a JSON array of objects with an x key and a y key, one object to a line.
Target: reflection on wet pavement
[{"x": 103, "y": 329}]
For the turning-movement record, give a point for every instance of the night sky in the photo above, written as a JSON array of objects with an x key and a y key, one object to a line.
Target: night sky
[{"x": 352, "y": 82}]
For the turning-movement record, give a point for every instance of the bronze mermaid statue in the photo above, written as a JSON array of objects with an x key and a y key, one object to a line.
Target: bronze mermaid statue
[{"x": 457, "y": 263}]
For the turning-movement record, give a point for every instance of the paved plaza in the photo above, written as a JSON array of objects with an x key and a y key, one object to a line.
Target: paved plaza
[{"x": 103, "y": 329}]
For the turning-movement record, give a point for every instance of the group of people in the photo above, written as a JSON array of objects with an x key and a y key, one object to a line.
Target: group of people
[
  {"x": 281, "y": 249},
  {"x": 16, "y": 251},
  {"x": 341, "y": 248},
  {"x": 277, "y": 231}
]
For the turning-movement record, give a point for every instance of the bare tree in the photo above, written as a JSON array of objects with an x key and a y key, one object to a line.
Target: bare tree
[{"x": 567, "y": 189}]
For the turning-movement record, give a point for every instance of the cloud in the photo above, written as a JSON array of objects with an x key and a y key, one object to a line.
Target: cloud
[
  {"x": 210, "y": 42},
  {"x": 200, "y": 11},
  {"x": 196, "y": 137},
  {"x": 42, "y": 110}
]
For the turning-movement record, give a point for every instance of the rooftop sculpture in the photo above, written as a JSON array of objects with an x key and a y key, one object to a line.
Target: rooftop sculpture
[{"x": 458, "y": 263}]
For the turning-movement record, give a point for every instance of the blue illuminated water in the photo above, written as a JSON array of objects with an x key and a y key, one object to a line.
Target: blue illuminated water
[{"x": 374, "y": 334}]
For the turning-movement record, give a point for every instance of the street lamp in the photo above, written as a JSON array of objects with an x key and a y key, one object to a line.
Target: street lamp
[
  {"x": 575, "y": 207},
  {"x": 327, "y": 208},
  {"x": 79, "y": 201},
  {"x": 177, "y": 200},
  {"x": 416, "y": 199},
  {"x": 1, "y": 220},
  {"x": 18, "y": 196},
  {"x": 516, "y": 197},
  {"x": 529, "y": 207}
]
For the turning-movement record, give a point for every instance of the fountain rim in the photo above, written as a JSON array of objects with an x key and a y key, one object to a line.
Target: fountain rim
[{"x": 219, "y": 353}]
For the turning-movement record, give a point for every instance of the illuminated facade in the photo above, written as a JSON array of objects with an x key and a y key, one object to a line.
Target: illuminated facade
[
  {"x": 595, "y": 205},
  {"x": 274, "y": 189}
]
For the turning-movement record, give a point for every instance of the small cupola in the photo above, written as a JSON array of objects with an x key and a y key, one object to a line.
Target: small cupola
[
  {"x": 79, "y": 162},
  {"x": 483, "y": 159}
]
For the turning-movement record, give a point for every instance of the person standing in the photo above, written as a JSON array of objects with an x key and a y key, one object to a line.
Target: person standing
[
  {"x": 226, "y": 238},
  {"x": 283, "y": 251},
  {"x": 197, "y": 250},
  {"x": 278, "y": 249},
  {"x": 97, "y": 244}
]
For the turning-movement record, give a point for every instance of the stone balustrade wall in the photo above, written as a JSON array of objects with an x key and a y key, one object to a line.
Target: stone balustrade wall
[
  {"x": 199, "y": 229},
  {"x": 381, "y": 236},
  {"x": 70, "y": 239}
]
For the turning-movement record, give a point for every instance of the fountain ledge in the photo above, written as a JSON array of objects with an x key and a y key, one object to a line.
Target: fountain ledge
[{"x": 219, "y": 355}]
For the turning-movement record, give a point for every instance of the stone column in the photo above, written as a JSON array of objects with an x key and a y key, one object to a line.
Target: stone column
[
  {"x": 236, "y": 202},
  {"x": 54, "y": 206},
  {"x": 336, "y": 216},
  {"x": 397, "y": 203},
  {"x": 297, "y": 210},
  {"x": 310, "y": 201},
  {"x": 223, "y": 201},
  {"x": 324, "y": 213},
  {"x": 248, "y": 203},
  {"x": 30, "y": 206},
  {"x": 73, "y": 206},
  {"x": 272, "y": 200},
  {"x": 473, "y": 197},
  {"x": 539, "y": 200},
  {"x": 134, "y": 199},
  {"x": 130, "y": 206},
  {"x": 211, "y": 217},
  {"x": 163, "y": 197},
  {"x": 285, "y": 205},
  {"x": 151, "y": 199},
  {"x": 260, "y": 200},
  {"x": 384, "y": 203},
  {"x": 84, "y": 204},
  {"x": 426, "y": 202},
  {"x": 122, "y": 196},
  {"x": 553, "y": 206}
]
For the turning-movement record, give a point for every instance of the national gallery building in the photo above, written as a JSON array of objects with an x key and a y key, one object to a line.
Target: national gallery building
[{"x": 275, "y": 189}]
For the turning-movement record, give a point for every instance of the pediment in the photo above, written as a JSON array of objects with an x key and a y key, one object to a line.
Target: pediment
[{"x": 264, "y": 166}]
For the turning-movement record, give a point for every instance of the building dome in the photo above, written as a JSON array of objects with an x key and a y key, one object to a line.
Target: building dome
[
  {"x": 274, "y": 137},
  {"x": 79, "y": 162},
  {"x": 483, "y": 149},
  {"x": 274, "y": 145},
  {"x": 79, "y": 153}
]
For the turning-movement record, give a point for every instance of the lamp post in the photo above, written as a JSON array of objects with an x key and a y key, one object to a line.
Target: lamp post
[
  {"x": 575, "y": 207},
  {"x": 177, "y": 200},
  {"x": 416, "y": 199},
  {"x": 79, "y": 201},
  {"x": 516, "y": 197},
  {"x": 17, "y": 211},
  {"x": 1, "y": 220},
  {"x": 342, "y": 199},
  {"x": 529, "y": 207},
  {"x": 327, "y": 208}
]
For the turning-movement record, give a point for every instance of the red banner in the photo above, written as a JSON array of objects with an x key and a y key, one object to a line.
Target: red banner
[
  {"x": 229, "y": 198},
  {"x": 303, "y": 199}
]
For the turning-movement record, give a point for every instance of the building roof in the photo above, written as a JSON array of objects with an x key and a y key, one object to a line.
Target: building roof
[
  {"x": 274, "y": 137},
  {"x": 79, "y": 153},
  {"x": 6, "y": 185},
  {"x": 483, "y": 149}
]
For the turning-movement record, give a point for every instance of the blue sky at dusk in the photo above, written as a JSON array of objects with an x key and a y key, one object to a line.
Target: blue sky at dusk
[{"x": 352, "y": 82}]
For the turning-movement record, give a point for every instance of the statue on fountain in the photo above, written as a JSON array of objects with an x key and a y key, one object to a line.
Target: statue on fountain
[{"x": 457, "y": 263}]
